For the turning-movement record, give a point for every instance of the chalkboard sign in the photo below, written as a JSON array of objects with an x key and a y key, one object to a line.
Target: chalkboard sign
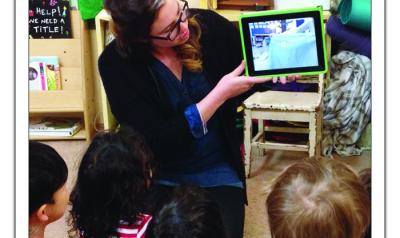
[{"x": 49, "y": 19}]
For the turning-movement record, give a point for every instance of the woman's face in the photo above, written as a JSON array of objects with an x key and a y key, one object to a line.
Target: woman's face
[{"x": 165, "y": 23}]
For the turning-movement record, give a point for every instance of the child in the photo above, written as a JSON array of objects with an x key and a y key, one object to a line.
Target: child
[
  {"x": 48, "y": 197},
  {"x": 365, "y": 176},
  {"x": 190, "y": 212},
  {"x": 109, "y": 197},
  {"x": 318, "y": 198}
]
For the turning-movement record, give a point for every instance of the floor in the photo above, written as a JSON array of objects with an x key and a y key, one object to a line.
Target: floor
[{"x": 263, "y": 171}]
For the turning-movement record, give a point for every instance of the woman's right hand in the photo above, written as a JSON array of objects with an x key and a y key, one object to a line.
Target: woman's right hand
[
  {"x": 229, "y": 86},
  {"x": 235, "y": 83}
]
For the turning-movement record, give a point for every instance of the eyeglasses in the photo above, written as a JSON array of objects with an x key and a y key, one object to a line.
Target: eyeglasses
[{"x": 176, "y": 29}]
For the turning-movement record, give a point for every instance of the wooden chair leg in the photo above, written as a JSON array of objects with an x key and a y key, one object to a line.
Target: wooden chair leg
[
  {"x": 259, "y": 152},
  {"x": 312, "y": 136},
  {"x": 247, "y": 141},
  {"x": 319, "y": 133}
]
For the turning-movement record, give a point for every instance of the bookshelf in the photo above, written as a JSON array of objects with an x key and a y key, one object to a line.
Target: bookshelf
[{"x": 76, "y": 99}]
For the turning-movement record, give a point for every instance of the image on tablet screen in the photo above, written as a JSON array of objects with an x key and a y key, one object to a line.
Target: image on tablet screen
[{"x": 280, "y": 44}]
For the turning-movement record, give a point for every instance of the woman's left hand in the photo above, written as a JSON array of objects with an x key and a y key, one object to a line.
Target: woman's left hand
[{"x": 285, "y": 79}]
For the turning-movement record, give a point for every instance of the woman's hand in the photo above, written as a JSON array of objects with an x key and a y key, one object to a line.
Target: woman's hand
[
  {"x": 229, "y": 86},
  {"x": 235, "y": 83}
]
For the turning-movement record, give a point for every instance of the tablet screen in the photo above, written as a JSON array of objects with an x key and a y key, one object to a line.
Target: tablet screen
[{"x": 283, "y": 44}]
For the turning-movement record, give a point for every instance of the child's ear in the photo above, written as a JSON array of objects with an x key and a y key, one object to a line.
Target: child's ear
[{"x": 42, "y": 214}]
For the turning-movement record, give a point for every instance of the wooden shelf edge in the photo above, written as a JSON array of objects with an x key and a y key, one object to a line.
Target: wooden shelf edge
[
  {"x": 103, "y": 15},
  {"x": 233, "y": 15},
  {"x": 57, "y": 101}
]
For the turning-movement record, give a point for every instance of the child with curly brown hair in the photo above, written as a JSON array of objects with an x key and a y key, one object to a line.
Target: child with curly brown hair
[{"x": 109, "y": 198}]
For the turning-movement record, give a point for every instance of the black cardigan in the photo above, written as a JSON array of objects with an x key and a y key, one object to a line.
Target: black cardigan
[{"x": 139, "y": 100}]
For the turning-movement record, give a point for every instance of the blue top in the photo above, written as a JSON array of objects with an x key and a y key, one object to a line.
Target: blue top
[{"x": 207, "y": 166}]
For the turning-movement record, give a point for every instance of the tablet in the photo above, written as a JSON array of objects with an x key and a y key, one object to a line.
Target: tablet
[{"x": 283, "y": 42}]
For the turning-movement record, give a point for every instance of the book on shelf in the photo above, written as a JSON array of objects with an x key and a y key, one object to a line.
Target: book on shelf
[
  {"x": 37, "y": 76},
  {"x": 51, "y": 70},
  {"x": 54, "y": 127}
]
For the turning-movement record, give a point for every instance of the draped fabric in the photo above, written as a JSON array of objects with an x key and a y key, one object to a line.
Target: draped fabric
[{"x": 347, "y": 103}]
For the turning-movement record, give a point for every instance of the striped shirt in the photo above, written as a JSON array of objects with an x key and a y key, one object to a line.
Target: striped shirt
[{"x": 136, "y": 230}]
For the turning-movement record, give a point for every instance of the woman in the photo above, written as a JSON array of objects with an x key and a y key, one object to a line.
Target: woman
[{"x": 173, "y": 74}]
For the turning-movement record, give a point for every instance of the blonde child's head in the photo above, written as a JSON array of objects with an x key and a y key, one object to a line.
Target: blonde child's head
[{"x": 318, "y": 198}]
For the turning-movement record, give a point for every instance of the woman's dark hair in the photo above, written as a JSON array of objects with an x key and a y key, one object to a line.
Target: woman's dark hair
[
  {"x": 190, "y": 212},
  {"x": 132, "y": 20},
  {"x": 47, "y": 174},
  {"x": 112, "y": 183}
]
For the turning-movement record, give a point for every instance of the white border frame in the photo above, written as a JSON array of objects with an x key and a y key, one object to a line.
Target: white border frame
[
  {"x": 21, "y": 122},
  {"x": 7, "y": 120},
  {"x": 392, "y": 119},
  {"x": 21, "y": 119},
  {"x": 378, "y": 119}
]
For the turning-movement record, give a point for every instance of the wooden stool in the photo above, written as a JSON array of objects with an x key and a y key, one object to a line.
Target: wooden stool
[{"x": 283, "y": 106}]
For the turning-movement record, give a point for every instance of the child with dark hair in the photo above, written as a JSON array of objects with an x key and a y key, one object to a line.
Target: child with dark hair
[
  {"x": 318, "y": 198},
  {"x": 48, "y": 196},
  {"x": 190, "y": 212},
  {"x": 110, "y": 194}
]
